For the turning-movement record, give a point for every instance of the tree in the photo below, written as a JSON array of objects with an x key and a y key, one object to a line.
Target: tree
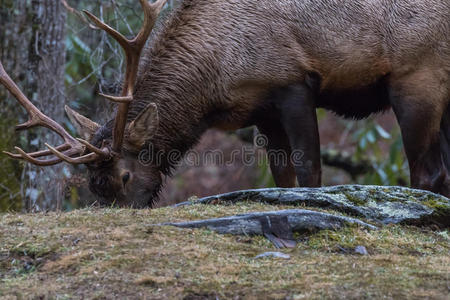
[{"x": 33, "y": 51}]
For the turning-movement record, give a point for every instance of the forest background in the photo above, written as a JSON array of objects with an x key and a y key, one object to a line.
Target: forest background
[{"x": 58, "y": 59}]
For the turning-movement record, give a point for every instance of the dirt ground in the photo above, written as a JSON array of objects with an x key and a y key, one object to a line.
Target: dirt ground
[{"x": 118, "y": 253}]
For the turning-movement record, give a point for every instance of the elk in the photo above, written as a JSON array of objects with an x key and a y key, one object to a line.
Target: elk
[{"x": 233, "y": 63}]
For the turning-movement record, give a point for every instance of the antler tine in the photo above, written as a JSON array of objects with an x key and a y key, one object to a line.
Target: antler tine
[
  {"x": 38, "y": 154},
  {"x": 104, "y": 152},
  {"x": 123, "y": 41},
  {"x": 37, "y": 162},
  {"x": 6, "y": 81},
  {"x": 126, "y": 99},
  {"x": 151, "y": 12},
  {"x": 74, "y": 161},
  {"x": 37, "y": 118},
  {"x": 133, "y": 49}
]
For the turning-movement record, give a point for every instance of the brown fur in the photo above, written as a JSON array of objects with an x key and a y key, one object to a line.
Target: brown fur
[{"x": 219, "y": 63}]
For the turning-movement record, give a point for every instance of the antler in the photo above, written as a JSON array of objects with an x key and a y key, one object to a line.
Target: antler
[
  {"x": 132, "y": 49},
  {"x": 71, "y": 146}
]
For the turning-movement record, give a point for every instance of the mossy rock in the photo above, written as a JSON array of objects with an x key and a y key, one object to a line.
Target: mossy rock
[
  {"x": 292, "y": 220},
  {"x": 385, "y": 205}
]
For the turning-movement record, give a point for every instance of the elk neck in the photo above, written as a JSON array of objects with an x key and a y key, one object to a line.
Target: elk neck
[{"x": 182, "y": 79}]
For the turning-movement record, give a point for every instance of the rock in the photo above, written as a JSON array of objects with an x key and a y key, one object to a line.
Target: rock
[
  {"x": 361, "y": 250},
  {"x": 274, "y": 255},
  {"x": 279, "y": 223},
  {"x": 385, "y": 205}
]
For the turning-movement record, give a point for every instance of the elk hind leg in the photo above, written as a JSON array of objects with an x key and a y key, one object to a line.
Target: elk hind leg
[
  {"x": 420, "y": 101},
  {"x": 445, "y": 146}
]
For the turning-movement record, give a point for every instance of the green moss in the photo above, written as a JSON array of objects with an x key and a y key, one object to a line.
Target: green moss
[
  {"x": 33, "y": 250},
  {"x": 440, "y": 208},
  {"x": 353, "y": 199}
]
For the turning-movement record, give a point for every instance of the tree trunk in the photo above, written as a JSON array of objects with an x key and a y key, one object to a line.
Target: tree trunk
[
  {"x": 47, "y": 59},
  {"x": 32, "y": 43}
]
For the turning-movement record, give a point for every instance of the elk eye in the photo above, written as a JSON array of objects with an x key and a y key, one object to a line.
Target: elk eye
[{"x": 125, "y": 178}]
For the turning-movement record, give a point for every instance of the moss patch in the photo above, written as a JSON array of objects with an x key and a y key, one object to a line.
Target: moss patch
[
  {"x": 441, "y": 208},
  {"x": 355, "y": 200},
  {"x": 116, "y": 253}
]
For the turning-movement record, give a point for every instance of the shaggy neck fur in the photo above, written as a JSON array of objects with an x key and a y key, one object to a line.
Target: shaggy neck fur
[{"x": 172, "y": 75}]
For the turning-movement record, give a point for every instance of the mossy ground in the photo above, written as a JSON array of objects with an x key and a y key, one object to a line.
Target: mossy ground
[{"x": 116, "y": 253}]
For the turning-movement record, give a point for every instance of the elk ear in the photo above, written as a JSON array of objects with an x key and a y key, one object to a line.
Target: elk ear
[
  {"x": 144, "y": 126},
  {"x": 84, "y": 127}
]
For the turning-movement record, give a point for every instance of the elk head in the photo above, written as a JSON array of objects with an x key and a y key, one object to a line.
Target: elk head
[{"x": 116, "y": 176}]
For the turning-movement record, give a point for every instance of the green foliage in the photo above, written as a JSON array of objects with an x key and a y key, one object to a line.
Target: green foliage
[
  {"x": 372, "y": 140},
  {"x": 265, "y": 178}
]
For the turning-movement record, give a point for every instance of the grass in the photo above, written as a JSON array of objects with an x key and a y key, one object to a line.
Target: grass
[{"x": 117, "y": 253}]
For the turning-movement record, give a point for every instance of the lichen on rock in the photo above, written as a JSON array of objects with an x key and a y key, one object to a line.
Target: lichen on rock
[
  {"x": 297, "y": 220},
  {"x": 384, "y": 205}
]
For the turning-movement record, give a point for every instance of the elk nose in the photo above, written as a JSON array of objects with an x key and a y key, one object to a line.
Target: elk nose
[{"x": 125, "y": 178}]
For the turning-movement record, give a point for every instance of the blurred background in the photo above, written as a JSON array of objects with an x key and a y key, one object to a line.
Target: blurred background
[{"x": 57, "y": 58}]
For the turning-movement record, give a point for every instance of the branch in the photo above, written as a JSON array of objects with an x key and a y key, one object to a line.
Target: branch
[
  {"x": 77, "y": 13},
  {"x": 346, "y": 162}
]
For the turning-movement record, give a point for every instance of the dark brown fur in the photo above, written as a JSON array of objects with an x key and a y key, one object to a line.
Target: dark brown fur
[{"x": 233, "y": 63}]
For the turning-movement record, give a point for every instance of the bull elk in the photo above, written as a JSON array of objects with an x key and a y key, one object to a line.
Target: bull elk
[{"x": 234, "y": 63}]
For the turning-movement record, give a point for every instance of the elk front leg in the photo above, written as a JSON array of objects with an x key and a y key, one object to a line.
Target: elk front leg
[
  {"x": 419, "y": 101},
  {"x": 298, "y": 117},
  {"x": 278, "y": 153}
]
